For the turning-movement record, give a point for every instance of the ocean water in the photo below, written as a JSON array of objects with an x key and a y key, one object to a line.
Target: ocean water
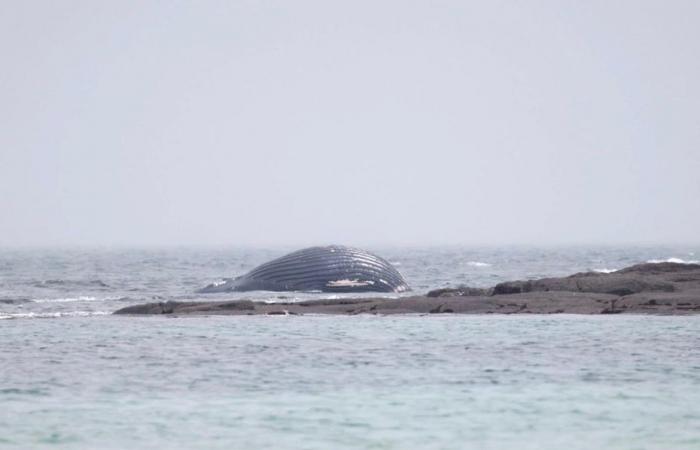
[{"x": 74, "y": 376}]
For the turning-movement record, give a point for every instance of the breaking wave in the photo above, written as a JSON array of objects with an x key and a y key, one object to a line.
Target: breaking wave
[
  {"x": 674, "y": 260},
  {"x": 82, "y": 298},
  {"x": 70, "y": 283},
  {"x": 478, "y": 264},
  {"x": 51, "y": 315}
]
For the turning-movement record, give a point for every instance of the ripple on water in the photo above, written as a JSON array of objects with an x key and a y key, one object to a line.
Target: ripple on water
[{"x": 344, "y": 382}]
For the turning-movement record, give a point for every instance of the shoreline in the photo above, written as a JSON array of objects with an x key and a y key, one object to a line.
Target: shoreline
[{"x": 665, "y": 288}]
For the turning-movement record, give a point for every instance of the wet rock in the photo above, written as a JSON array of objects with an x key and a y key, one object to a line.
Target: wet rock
[
  {"x": 659, "y": 268},
  {"x": 154, "y": 308},
  {"x": 615, "y": 283},
  {"x": 640, "y": 289},
  {"x": 239, "y": 305},
  {"x": 460, "y": 291}
]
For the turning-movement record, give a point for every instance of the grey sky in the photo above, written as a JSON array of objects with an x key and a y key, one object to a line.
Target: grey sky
[{"x": 383, "y": 122}]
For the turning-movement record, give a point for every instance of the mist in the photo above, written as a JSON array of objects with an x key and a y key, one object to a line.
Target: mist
[{"x": 383, "y": 123}]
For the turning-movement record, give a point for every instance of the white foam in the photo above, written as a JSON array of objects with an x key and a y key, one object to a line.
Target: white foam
[
  {"x": 674, "y": 260},
  {"x": 82, "y": 298},
  {"x": 605, "y": 270},
  {"x": 51, "y": 315},
  {"x": 478, "y": 264},
  {"x": 68, "y": 299}
]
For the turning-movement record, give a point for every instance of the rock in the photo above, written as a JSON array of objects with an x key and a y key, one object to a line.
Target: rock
[
  {"x": 238, "y": 305},
  {"x": 186, "y": 307},
  {"x": 665, "y": 288},
  {"x": 460, "y": 291},
  {"x": 615, "y": 283},
  {"x": 154, "y": 308},
  {"x": 659, "y": 268}
]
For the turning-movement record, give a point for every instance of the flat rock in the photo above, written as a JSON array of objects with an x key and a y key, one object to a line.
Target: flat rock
[
  {"x": 663, "y": 288},
  {"x": 460, "y": 291}
]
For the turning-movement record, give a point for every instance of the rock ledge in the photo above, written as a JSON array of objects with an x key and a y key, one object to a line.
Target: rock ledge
[{"x": 650, "y": 288}]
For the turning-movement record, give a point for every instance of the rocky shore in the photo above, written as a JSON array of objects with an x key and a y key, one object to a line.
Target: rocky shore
[{"x": 651, "y": 288}]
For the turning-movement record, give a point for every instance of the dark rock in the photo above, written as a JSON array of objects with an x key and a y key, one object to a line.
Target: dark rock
[
  {"x": 658, "y": 268},
  {"x": 239, "y": 305},
  {"x": 602, "y": 283},
  {"x": 436, "y": 310},
  {"x": 641, "y": 289},
  {"x": 460, "y": 291},
  {"x": 154, "y": 308},
  {"x": 511, "y": 287},
  {"x": 344, "y": 301}
]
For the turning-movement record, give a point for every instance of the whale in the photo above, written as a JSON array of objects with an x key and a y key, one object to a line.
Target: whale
[{"x": 332, "y": 268}]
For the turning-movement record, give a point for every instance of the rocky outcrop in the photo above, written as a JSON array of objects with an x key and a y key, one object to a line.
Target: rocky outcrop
[
  {"x": 461, "y": 291},
  {"x": 664, "y": 288},
  {"x": 622, "y": 284},
  {"x": 188, "y": 307}
]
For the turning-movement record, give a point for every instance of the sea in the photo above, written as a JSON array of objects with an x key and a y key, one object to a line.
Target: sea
[{"x": 74, "y": 376}]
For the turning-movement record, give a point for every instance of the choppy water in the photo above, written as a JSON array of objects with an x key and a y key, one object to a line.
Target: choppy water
[
  {"x": 51, "y": 283},
  {"x": 73, "y": 376}
]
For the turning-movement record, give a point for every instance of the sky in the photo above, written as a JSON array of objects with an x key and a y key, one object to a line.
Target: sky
[{"x": 362, "y": 122}]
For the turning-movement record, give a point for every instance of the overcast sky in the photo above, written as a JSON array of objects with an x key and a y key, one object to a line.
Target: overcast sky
[{"x": 378, "y": 122}]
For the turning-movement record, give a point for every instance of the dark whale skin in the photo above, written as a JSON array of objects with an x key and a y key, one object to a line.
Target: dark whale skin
[{"x": 332, "y": 268}]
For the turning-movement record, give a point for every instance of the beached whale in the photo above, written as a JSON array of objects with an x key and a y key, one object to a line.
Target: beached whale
[{"x": 332, "y": 268}]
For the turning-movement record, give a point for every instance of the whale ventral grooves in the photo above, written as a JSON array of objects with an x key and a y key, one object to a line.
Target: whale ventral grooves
[{"x": 333, "y": 268}]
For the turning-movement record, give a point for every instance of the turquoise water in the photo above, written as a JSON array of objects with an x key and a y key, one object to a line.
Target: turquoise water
[{"x": 351, "y": 382}]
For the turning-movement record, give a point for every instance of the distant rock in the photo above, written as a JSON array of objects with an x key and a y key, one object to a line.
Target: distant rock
[
  {"x": 659, "y": 268},
  {"x": 460, "y": 291},
  {"x": 647, "y": 277},
  {"x": 650, "y": 288}
]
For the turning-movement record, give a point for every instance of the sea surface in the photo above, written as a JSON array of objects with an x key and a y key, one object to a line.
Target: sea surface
[{"x": 74, "y": 376}]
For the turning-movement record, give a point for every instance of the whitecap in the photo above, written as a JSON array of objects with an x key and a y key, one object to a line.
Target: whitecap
[
  {"x": 478, "y": 264},
  {"x": 65, "y": 300},
  {"x": 52, "y": 315},
  {"x": 82, "y": 298},
  {"x": 674, "y": 260},
  {"x": 605, "y": 270}
]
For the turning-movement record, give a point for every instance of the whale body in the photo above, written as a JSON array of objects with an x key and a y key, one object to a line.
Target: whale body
[{"x": 332, "y": 268}]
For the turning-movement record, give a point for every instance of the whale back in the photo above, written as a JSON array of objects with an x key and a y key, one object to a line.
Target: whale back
[{"x": 328, "y": 269}]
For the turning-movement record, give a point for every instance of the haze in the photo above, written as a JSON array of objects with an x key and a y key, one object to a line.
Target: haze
[{"x": 383, "y": 122}]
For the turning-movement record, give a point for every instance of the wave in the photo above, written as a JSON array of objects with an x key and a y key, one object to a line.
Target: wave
[
  {"x": 80, "y": 283},
  {"x": 82, "y": 298},
  {"x": 51, "y": 315},
  {"x": 674, "y": 260},
  {"x": 478, "y": 264},
  {"x": 605, "y": 270}
]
